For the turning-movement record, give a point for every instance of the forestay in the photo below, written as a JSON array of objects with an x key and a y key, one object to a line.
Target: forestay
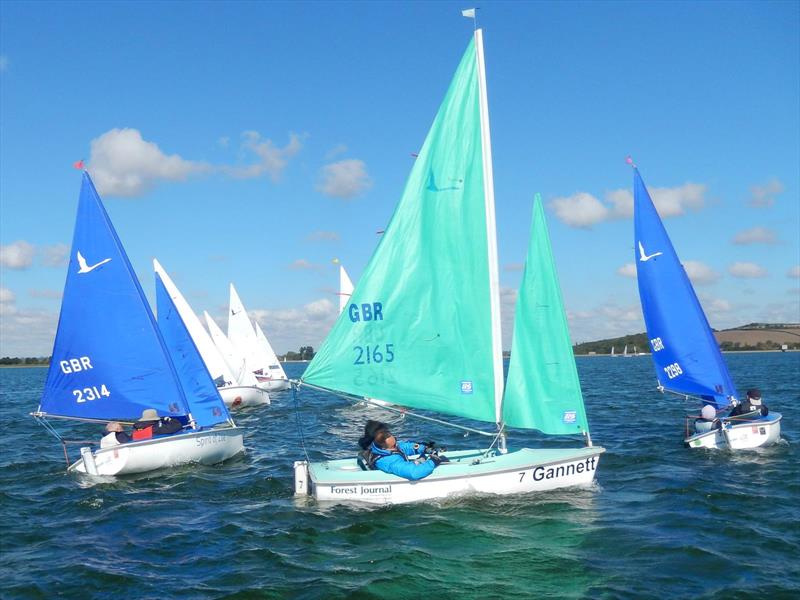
[
  {"x": 684, "y": 349},
  {"x": 542, "y": 390},
  {"x": 207, "y": 407},
  {"x": 109, "y": 361},
  {"x": 418, "y": 329}
]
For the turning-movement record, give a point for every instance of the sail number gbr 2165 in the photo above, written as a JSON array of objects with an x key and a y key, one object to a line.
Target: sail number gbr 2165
[{"x": 373, "y": 354}]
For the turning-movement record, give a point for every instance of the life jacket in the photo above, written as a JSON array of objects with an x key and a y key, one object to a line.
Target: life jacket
[{"x": 145, "y": 433}]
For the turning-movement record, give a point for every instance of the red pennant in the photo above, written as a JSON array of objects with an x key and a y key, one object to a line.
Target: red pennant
[{"x": 78, "y": 165}]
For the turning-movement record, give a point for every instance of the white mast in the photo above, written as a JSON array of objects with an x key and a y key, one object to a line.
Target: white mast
[{"x": 491, "y": 232}]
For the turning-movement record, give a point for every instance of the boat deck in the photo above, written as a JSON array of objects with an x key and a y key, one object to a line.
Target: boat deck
[{"x": 463, "y": 463}]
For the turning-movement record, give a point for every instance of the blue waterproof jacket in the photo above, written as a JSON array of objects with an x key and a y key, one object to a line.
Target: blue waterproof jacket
[{"x": 397, "y": 462}]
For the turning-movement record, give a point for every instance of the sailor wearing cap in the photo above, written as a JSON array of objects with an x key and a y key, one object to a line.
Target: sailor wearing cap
[{"x": 752, "y": 404}]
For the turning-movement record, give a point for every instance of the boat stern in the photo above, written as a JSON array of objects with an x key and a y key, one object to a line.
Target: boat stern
[{"x": 301, "y": 487}]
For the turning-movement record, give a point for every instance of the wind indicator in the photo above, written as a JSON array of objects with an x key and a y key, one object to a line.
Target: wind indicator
[
  {"x": 629, "y": 160},
  {"x": 471, "y": 13},
  {"x": 78, "y": 164}
]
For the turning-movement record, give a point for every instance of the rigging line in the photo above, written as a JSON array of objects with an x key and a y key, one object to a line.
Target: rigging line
[
  {"x": 664, "y": 390},
  {"x": 295, "y": 387},
  {"x": 496, "y": 438},
  {"x": 41, "y": 415},
  {"x": 402, "y": 411}
]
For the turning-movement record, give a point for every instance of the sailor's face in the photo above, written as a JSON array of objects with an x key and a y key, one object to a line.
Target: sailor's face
[{"x": 387, "y": 441}]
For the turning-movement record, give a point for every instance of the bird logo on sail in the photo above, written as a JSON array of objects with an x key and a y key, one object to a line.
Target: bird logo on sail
[
  {"x": 643, "y": 256},
  {"x": 84, "y": 267}
]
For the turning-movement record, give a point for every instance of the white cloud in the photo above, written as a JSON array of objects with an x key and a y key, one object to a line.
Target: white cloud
[
  {"x": 604, "y": 321},
  {"x": 323, "y": 236},
  {"x": 344, "y": 179},
  {"x": 272, "y": 159},
  {"x": 17, "y": 255},
  {"x": 3, "y": 63},
  {"x": 122, "y": 163},
  {"x": 45, "y": 293},
  {"x": 755, "y": 235},
  {"x": 700, "y": 273},
  {"x": 579, "y": 210},
  {"x": 627, "y": 270},
  {"x": 514, "y": 267},
  {"x": 301, "y": 264},
  {"x": 56, "y": 255},
  {"x": 290, "y": 328},
  {"x": 7, "y": 296},
  {"x": 794, "y": 272},
  {"x": 763, "y": 196},
  {"x": 747, "y": 270},
  {"x": 584, "y": 210},
  {"x": 335, "y": 151},
  {"x": 224, "y": 141},
  {"x": 24, "y": 333}
]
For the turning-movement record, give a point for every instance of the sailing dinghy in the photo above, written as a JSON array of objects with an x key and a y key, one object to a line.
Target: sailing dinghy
[
  {"x": 236, "y": 362},
  {"x": 685, "y": 352},
  {"x": 233, "y": 394},
  {"x": 422, "y": 328},
  {"x": 111, "y": 361},
  {"x": 259, "y": 356}
]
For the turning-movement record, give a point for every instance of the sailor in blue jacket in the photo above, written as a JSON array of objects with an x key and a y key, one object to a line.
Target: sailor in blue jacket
[{"x": 382, "y": 451}]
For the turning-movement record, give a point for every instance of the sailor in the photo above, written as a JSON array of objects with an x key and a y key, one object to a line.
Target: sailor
[
  {"x": 150, "y": 424},
  {"x": 115, "y": 435},
  {"x": 751, "y": 404},
  {"x": 382, "y": 451},
  {"x": 707, "y": 421}
]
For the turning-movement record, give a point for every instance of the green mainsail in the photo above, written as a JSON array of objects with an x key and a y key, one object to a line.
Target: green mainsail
[
  {"x": 418, "y": 328},
  {"x": 542, "y": 390}
]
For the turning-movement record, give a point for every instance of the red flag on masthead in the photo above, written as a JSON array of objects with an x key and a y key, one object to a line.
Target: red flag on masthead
[{"x": 78, "y": 164}]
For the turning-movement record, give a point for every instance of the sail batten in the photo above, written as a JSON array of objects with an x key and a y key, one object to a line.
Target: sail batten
[{"x": 683, "y": 347}]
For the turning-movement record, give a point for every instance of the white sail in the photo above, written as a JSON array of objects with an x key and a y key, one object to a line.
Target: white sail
[
  {"x": 271, "y": 359},
  {"x": 345, "y": 288},
  {"x": 241, "y": 333},
  {"x": 216, "y": 364},
  {"x": 235, "y": 360}
]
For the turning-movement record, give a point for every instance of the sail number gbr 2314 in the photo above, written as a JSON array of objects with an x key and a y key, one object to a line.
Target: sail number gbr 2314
[{"x": 76, "y": 365}]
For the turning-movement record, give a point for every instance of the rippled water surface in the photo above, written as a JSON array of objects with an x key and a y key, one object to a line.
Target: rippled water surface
[{"x": 662, "y": 521}]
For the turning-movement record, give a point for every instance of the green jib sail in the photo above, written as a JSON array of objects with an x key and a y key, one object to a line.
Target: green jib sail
[
  {"x": 417, "y": 331},
  {"x": 542, "y": 390}
]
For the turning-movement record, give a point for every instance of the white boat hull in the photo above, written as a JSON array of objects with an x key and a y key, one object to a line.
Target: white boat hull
[
  {"x": 469, "y": 472},
  {"x": 736, "y": 435},
  {"x": 205, "y": 447},
  {"x": 241, "y": 396},
  {"x": 272, "y": 385}
]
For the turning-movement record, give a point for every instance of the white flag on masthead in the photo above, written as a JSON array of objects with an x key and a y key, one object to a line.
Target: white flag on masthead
[{"x": 469, "y": 13}]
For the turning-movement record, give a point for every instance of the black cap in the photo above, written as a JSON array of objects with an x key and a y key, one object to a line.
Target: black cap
[{"x": 754, "y": 393}]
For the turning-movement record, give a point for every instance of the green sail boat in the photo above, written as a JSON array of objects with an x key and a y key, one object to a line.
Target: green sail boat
[{"x": 421, "y": 329}]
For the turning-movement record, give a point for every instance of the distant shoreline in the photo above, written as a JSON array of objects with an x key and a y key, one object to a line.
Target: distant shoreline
[{"x": 723, "y": 351}]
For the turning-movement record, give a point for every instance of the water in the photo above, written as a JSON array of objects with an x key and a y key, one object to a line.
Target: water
[{"x": 662, "y": 521}]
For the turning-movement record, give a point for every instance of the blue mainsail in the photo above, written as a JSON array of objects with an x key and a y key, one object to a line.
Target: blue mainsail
[
  {"x": 204, "y": 400},
  {"x": 109, "y": 361},
  {"x": 684, "y": 349}
]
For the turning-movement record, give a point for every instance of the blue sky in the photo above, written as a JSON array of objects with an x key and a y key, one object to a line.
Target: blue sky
[{"x": 255, "y": 142}]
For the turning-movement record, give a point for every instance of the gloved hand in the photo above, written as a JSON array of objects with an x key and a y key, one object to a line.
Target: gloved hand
[{"x": 435, "y": 459}]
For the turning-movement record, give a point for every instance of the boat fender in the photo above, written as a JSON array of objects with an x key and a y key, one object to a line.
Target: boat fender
[{"x": 88, "y": 460}]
